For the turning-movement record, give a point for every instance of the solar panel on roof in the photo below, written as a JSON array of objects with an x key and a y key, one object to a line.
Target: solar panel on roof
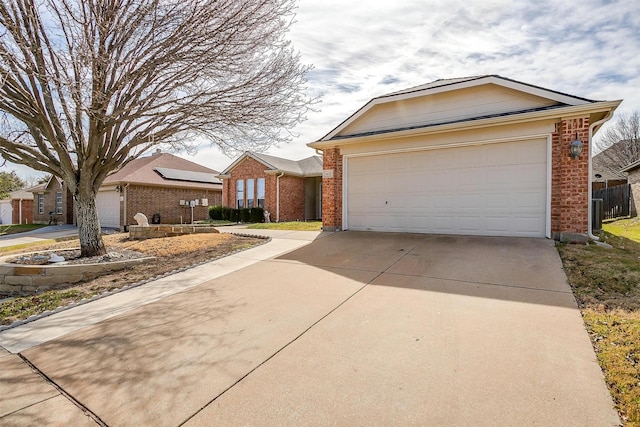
[{"x": 190, "y": 176}]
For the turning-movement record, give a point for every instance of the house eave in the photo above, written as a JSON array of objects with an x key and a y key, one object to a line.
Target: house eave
[
  {"x": 559, "y": 97},
  {"x": 559, "y": 113},
  {"x": 631, "y": 167},
  {"x": 195, "y": 186},
  {"x": 289, "y": 173}
]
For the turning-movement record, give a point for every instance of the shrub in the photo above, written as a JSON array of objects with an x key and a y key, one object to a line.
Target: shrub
[
  {"x": 257, "y": 215},
  {"x": 245, "y": 215},
  {"x": 231, "y": 214},
  {"x": 216, "y": 213},
  {"x": 221, "y": 213}
]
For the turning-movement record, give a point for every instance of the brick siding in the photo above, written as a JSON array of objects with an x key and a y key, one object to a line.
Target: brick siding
[
  {"x": 27, "y": 211},
  {"x": 165, "y": 201},
  {"x": 569, "y": 178},
  {"x": 68, "y": 212},
  {"x": 332, "y": 190},
  {"x": 291, "y": 190},
  {"x": 634, "y": 180}
]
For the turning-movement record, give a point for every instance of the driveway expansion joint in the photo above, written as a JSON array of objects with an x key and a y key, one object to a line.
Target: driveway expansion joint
[
  {"x": 27, "y": 406},
  {"x": 304, "y": 332},
  {"x": 278, "y": 351},
  {"x": 63, "y": 392}
]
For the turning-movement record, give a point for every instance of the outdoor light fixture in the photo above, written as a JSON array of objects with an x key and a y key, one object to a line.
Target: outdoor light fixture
[{"x": 576, "y": 147}]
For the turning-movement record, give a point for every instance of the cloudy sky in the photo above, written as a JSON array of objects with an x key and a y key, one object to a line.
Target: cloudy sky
[{"x": 364, "y": 48}]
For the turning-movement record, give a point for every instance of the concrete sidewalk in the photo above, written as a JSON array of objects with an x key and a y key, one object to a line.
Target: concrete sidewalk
[
  {"x": 352, "y": 329},
  {"x": 29, "y": 399},
  {"x": 36, "y": 236},
  {"x": 31, "y": 334}
]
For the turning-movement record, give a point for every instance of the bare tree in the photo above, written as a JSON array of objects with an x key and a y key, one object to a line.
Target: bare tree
[
  {"x": 88, "y": 85},
  {"x": 620, "y": 143}
]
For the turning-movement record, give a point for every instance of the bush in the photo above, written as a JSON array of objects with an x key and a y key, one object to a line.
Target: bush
[
  {"x": 216, "y": 213},
  {"x": 231, "y": 214},
  {"x": 220, "y": 213},
  {"x": 257, "y": 215},
  {"x": 245, "y": 215}
]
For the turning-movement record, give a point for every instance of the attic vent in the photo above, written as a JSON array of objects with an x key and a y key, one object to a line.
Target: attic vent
[{"x": 189, "y": 176}]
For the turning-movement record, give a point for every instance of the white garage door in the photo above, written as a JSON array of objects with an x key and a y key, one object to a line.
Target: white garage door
[
  {"x": 6, "y": 212},
  {"x": 491, "y": 190},
  {"x": 108, "y": 203}
]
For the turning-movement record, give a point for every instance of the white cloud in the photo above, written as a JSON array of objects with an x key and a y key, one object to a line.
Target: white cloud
[{"x": 364, "y": 48}]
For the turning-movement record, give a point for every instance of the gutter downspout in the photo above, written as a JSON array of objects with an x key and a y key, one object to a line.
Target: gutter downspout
[
  {"x": 20, "y": 210},
  {"x": 278, "y": 196},
  {"x": 125, "y": 205},
  {"x": 590, "y": 185}
]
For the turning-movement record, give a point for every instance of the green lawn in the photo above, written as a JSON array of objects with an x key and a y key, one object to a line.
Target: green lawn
[
  {"x": 18, "y": 228},
  {"x": 629, "y": 228},
  {"x": 294, "y": 225}
]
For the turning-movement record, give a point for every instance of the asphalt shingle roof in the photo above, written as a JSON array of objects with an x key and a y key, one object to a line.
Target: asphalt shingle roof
[
  {"x": 310, "y": 166},
  {"x": 143, "y": 170}
]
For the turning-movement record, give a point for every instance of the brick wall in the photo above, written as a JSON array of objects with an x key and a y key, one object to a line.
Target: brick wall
[
  {"x": 166, "y": 202},
  {"x": 570, "y": 178},
  {"x": 250, "y": 169},
  {"x": 27, "y": 211},
  {"x": 291, "y": 190},
  {"x": 68, "y": 214},
  {"x": 291, "y": 199},
  {"x": 332, "y": 190},
  {"x": 634, "y": 180}
]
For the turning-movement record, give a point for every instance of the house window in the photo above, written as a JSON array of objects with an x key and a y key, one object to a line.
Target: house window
[
  {"x": 59, "y": 202},
  {"x": 240, "y": 194},
  {"x": 40, "y": 203},
  {"x": 260, "y": 193},
  {"x": 250, "y": 193}
]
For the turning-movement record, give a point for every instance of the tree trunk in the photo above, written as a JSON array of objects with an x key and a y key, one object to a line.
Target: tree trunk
[{"x": 91, "y": 243}]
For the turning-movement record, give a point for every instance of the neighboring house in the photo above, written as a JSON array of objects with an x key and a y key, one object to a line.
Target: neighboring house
[
  {"x": 52, "y": 203},
  {"x": 17, "y": 208},
  {"x": 604, "y": 176},
  {"x": 633, "y": 171},
  {"x": 161, "y": 186},
  {"x": 481, "y": 155},
  {"x": 164, "y": 187},
  {"x": 289, "y": 190}
]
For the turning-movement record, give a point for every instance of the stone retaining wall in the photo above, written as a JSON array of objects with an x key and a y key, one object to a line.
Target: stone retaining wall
[
  {"x": 19, "y": 279},
  {"x": 142, "y": 232}
]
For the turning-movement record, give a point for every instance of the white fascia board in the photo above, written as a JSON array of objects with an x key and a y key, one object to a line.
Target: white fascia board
[
  {"x": 557, "y": 113},
  {"x": 517, "y": 86},
  {"x": 280, "y": 171}
]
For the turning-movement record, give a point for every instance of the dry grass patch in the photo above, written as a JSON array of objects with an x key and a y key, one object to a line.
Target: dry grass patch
[
  {"x": 616, "y": 339},
  {"x": 606, "y": 284}
]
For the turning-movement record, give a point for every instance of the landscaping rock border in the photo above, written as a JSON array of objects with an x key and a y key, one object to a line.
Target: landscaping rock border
[{"x": 22, "y": 280}]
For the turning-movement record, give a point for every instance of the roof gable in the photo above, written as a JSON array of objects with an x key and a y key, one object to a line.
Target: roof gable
[
  {"x": 450, "y": 101},
  {"x": 310, "y": 166}
]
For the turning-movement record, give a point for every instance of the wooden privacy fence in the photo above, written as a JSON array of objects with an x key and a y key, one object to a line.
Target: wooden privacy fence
[{"x": 615, "y": 200}]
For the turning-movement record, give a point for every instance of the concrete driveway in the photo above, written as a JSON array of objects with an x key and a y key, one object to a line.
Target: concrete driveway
[{"x": 352, "y": 329}]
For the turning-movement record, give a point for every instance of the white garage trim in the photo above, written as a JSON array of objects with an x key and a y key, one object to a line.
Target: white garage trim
[
  {"x": 108, "y": 206},
  {"x": 547, "y": 185}
]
